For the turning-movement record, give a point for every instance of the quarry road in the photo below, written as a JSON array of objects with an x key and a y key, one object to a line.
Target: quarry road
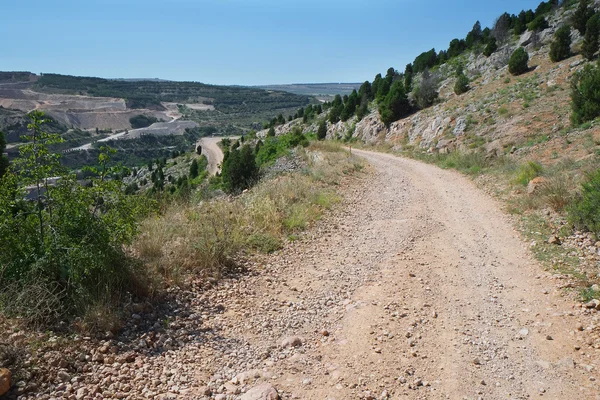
[
  {"x": 213, "y": 153},
  {"x": 419, "y": 289}
]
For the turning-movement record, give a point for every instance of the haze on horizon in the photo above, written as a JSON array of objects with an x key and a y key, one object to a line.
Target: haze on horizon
[{"x": 239, "y": 42}]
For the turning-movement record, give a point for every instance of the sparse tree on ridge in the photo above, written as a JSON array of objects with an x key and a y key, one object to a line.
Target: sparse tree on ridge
[
  {"x": 590, "y": 40},
  {"x": 581, "y": 16},
  {"x": 560, "y": 48}
]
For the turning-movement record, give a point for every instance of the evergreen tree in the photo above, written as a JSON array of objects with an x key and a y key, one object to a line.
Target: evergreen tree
[
  {"x": 365, "y": 90},
  {"x": 517, "y": 64},
  {"x": 194, "y": 169},
  {"x": 475, "y": 36},
  {"x": 462, "y": 83},
  {"x": 408, "y": 77},
  {"x": 581, "y": 16},
  {"x": 585, "y": 95},
  {"x": 560, "y": 48},
  {"x": 490, "y": 47},
  {"x": 395, "y": 105},
  {"x": 322, "y": 131},
  {"x": 3, "y": 158},
  {"x": 337, "y": 106},
  {"x": 350, "y": 106},
  {"x": 239, "y": 170},
  {"x": 590, "y": 40},
  {"x": 363, "y": 108}
]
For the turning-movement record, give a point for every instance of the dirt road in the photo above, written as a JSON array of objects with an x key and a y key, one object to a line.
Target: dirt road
[
  {"x": 421, "y": 289},
  {"x": 213, "y": 152},
  {"x": 417, "y": 287}
]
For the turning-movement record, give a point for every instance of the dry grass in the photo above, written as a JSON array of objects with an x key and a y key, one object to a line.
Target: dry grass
[{"x": 205, "y": 239}]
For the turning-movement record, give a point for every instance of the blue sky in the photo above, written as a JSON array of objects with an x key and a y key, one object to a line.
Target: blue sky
[{"x": 246, "y": 42}]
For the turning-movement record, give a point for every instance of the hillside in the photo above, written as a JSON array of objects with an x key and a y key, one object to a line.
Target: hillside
[{"x": 91, "y": 111}]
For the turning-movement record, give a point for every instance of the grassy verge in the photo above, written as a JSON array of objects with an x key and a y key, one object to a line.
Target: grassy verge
[{"x": 206, "y": 237}]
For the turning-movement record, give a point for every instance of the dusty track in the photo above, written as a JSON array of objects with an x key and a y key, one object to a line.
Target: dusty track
[
  {"x": 213, "y": 153},
  {"x": 421, "y": 290},
  {"x": 416, "y": 287}
]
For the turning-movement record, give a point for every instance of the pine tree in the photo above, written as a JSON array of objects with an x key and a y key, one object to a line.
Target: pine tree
[
  {"x": 271, "y": 132},
  {"x": 560, "y": 48},
  {"x": 395, "y": 105},
  {"x": 322, "y": 131},
  {"x": 194, "y": 169},
  {"x": 517, "y": 64},
  {"x": 581, "y": 16},
  {"x": 590, "y": 40}
]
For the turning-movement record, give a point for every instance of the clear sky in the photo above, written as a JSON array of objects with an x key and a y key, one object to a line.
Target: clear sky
[{"x": 246, "y": 42}]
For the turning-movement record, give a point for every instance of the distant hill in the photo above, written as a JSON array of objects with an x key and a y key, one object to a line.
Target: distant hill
[{"x": 315, "y": 89}]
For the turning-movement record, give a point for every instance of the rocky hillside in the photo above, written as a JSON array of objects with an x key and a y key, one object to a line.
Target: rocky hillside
[{"x": 500, "y": 114}]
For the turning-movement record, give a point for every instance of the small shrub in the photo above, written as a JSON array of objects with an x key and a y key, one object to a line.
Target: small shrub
[
  {"x": 264, "y": 242},
  {"x": 590, "y": 40},
  {"x": 556, "y": 192},
  {"x": 517, "y": 64},
  {"x": 527, "y": 172},
  {"x": 583, "y": 212}
]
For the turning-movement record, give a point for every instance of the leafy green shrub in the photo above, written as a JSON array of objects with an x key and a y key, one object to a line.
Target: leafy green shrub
[
  {"x": 560, "y": 48},
  {"x": 141, "y": 121},
  {"x": 583, "y": 212},
  {"x": 585, "y": 95},
  {"x": 62, "y": 250},
  {"x": 426, "y": 93},
  {"x": 527, "y": 172},
  {"x": 517, "y": 64},
  {"x": 275, "y": 147}
]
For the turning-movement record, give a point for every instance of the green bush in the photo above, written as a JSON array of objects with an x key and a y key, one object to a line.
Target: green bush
[
  {"x": 538, "y": 24},
  {"x": 462, "y": 84},
  {"x": 490, "y": 47},
  {"x": 517, "y": 64},
  {"x": 560, "y": 48},
  {"x": 141, "y": 121},
  {"x": 527, "y": 172},
  {"x": 585, "y": 95},
  {"x": 239, "y": 170},
  {"x": 581, "y": 16},
  {"x": 62, "y": 250},
  {"x": 584, "y": 210}
]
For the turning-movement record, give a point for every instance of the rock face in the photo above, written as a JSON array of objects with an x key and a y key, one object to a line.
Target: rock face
[
  {"x": 261, "y": 392},
  {"x": 5, "y": 377}
]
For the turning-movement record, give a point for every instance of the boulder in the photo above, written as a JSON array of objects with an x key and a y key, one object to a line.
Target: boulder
[
  {"x": 292, "y": 341},
  {"x": 264, "y": 391},
  {"x": 5, "y": 377},
  {"x": 461, "y": 126}
]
